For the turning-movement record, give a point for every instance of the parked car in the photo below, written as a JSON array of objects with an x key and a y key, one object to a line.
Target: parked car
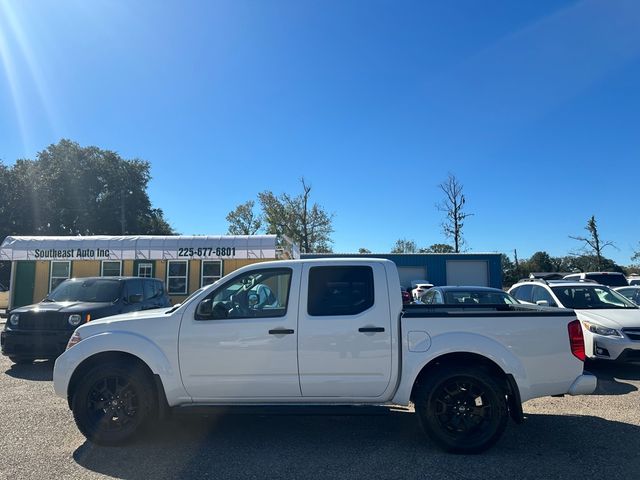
[
  {"x": 406, "y": 296},
  {"x": 610, "y": 321},
  {"x": 632, "y": 292},
  {"x": 634, "y": 279},
  {"x": 610, "y": 279},
  {"x": 43, "y": 330},
  {"x": 472, "y": 295},
  {"x": 4, "y": 297},
  {"x": 335, "y": 335},
  {"x": 419, "y": 290}
]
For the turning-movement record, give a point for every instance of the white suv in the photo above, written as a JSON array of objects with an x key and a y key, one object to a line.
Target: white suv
[{"x": 610, "y": 321}]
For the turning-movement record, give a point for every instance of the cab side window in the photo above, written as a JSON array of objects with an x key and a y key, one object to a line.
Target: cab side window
[
  {"x": 149, "y": 291},
  {"x": 340, "y": 291},
  {"x": 258, "y": 293}
]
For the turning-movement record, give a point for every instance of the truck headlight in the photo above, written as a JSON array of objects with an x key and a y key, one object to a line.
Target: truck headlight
[
  {"x": 14, "y": 319},
  {"x": 75, "y": 319},
  {"x": 600, "y": 330}
]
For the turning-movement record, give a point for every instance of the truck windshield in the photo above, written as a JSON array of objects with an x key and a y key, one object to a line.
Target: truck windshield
[
  {"x": 591, "y": 297},
  {"x": 93, "y": 290}
]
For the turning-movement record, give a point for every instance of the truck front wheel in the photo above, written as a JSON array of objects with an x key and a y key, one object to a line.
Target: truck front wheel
[
  {"x": 462, "y": 409},
  {"x": 112, "y": 402}
]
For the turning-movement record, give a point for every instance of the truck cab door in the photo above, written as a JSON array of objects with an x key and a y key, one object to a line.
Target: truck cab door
[
  {"x": 240, "y": 341},
  {"x": 345, "y": 337}
]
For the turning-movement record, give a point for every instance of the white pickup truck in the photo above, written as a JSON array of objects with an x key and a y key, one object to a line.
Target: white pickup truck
[{"x": 330, "y": 332}]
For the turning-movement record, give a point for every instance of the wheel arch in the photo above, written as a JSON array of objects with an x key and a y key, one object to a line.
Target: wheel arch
[
  {"x": 114, "y": 356},
  {"x": 466, "y": 359}
]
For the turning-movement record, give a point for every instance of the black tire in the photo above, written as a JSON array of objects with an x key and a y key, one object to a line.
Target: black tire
[
  {"x": 113, "y": 402},
  {"x": 462, "y": 409},
  {"x": 21, "y": 360}
]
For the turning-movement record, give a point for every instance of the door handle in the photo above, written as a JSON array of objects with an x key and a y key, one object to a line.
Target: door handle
[
  {"x": 371, "y": 329},
  {"x": 281, "y": 331}
]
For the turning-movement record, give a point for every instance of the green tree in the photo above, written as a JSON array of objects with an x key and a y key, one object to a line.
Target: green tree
[
  {"x": 541, "y": 262},
  {"x": 404, "y": 245},
  {"x": 510, "y": 273},
  {"x": 308, "y": 224},
  {"x": 437, "y": 248},
  {"x": 74, "y": 190},
  {"x": 364, "y": 250},
  {"x": 593, "y": 245},
  {"x": 243, "y": 220},
  {"x": 453, "y": 205},
  {"x": 591, "y": 263}
]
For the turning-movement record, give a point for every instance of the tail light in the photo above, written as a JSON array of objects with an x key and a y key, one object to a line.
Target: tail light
[{"x": 576, "y": 339}]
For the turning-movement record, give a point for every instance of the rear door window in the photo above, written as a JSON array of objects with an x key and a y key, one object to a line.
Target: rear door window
[
  {"x": 523, "y": 293},
  {"x": 149, "y": 290},
  {"x": 340, "y": 290},
  {"x": 134, "y": 287}
]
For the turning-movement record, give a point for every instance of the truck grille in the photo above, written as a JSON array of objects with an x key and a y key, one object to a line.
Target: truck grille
[
  {"x": 43, "y": 321},
  {"x": 632, "y": 333}
]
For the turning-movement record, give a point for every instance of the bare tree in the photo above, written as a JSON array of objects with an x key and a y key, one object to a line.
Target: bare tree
[
  {"x": 243, "y": 220},
  {"x": 593, "y": 244},
  {"x": 453, "y": 205}
]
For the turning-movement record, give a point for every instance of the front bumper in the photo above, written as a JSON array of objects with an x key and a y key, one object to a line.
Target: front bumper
[
  {"x": 34, "y": 343},
  {"x": 602, "y": 347}
]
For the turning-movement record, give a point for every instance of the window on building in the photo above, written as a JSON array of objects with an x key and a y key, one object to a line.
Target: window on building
[
  {"x": 340, "y": 290},
  {"x": 211, "y": 271},
  {"x": 177, "y": 271},
  {"x": 60, "y": 271},
  {"x": 111, "y": 268},
  {"x": 145, "y": 270}
]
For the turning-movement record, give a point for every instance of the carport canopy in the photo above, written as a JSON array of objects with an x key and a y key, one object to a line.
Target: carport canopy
[{"x": 138, "y": 247}]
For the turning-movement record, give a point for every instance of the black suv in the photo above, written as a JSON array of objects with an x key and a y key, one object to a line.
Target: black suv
[{"x": 43, "y": 330}]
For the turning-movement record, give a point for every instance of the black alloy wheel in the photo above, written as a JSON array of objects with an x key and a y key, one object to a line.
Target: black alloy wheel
[
  {"x": 463, "y": 410},
  {"x": 113, "y": 402}
]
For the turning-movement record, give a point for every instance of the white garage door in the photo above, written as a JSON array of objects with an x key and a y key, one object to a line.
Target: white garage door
[
  {"x": 409, "y": 274},
  {"x": 468, "y": 272}
]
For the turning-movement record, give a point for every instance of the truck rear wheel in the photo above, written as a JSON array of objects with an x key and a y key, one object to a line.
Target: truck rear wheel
[
  {"x": 112, "y": 402},
  {"x": 462, "y": 409}
]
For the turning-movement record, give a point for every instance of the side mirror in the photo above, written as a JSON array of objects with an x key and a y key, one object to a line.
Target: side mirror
[
  {"x": 137, "y": 298},
  {"x": 204, "y": 310},
  {"x": 542, "y": 303}
]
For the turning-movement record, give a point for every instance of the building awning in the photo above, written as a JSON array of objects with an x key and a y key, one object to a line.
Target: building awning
[{"x": 139, "y": 247}]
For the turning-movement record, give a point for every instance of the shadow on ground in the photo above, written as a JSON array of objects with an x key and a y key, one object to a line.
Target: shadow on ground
[
  {"x": 610, "y": 376},
  {"x": 40, "y": 371},
  {"x": 390, "y": 446}
]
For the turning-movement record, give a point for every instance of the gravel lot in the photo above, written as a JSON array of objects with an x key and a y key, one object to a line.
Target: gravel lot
[{"x": 594, "y": 436}]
